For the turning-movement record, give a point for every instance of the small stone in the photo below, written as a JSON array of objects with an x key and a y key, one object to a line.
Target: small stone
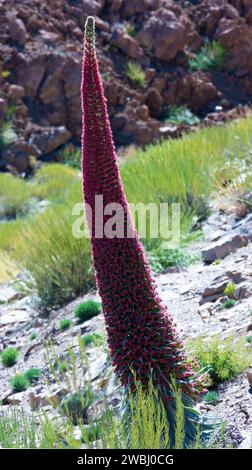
[
  {"x": 14, "y": 316},
  {"x": 249, "y": 376}
]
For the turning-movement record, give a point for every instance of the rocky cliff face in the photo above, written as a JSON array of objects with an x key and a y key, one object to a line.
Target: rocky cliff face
[{"x": 41, "y": 54}]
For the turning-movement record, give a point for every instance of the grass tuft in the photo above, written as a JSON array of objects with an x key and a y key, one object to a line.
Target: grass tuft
[
  {"x": 230, "y": 290},
  {"x": 93, "y": 338},
  {"x": 33, "y": 374},
  {"x": 9, "y": 357},
  {"x": 19, "y": 383},
  {"x": 230, "y": 303},
  {"x": 65, "y": 324},
  {"x": 87, "y": 310},
  {"x": 136, "y": 74},
  {"x": 211, "y": 55}
]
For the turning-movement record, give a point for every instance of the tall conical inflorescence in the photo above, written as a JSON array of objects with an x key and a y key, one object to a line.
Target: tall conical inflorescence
[{"x": 142, "y": 338}]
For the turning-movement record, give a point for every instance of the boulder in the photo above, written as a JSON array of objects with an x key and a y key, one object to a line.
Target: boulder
[
  {"x": 248, "y": 10},
  {"x": 154, "y": 102},
  {"x": 143, "y": 134},
  {"x": 202, "y": 90},
  {"x": 49, "y": 139},
  {"x": 15, "y": 92},
  {"x": 216, "y": 290},
  {"x": 17, "y": 30},
  {"x": 92, "y": 7},
  {"x": 18, "y": 155},
  {"x": 226, "y": 245},
  {"x": 126, "y": 44},
  {"x": 236, "y": 37},
  {"x": 114, "y": 5},
  {"x": 164, "y": 34},
  {"x": 31, "y": 72},
  {"x": 133, "y": 7}
]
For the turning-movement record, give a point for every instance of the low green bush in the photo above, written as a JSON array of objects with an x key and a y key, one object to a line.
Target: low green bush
[
  {"x": 136, "y": 74},
  {"x": 16, "y": 196},
  {"x": 9, "y": 357},
  {"x": 19, "y": 383},
  {"x": 211, "y": 55},
  {"x": 222, "y": 359},
  {"x": 65, "y": 324},
  {"x": 57, "y": 265},
  {"x": 55, "y": 182},
  {"x": 93, "y": 338},
  {"x": 230, "y": 290},
  {"x": 228, "y": 304},
  {"x": 211, "y": 397},
  {"x": 86, "y": 310},
  {"x": 71, "y": 156},
  {"x": 33, "y": 336},
  {"x": 75, "y": 406},
  {"x": 130, "y": 29},
  {"x": 181, "y": 115},
  {"x": 33, "y": 374},
  {"x": 161, "y": 259}
]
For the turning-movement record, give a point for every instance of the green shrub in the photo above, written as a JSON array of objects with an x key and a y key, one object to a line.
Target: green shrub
[
  {"x": 228, "y": 304},
  {"x": 33, "y": 336},
  {"x": 105, "y": 76},
  {"x": 93, "y": 338},
  {"x": 230, "y": 290},
  {"x": 181, "y": 115},
  {"x": 211, "y": 55},
  {"x": 90, "y": 433},
  {"x": 57, "y": 265},
  {"x": 249, "y": 339},
  {"x": 161, "y": 259},
  {"x": 192, "y": 167},
  {"x": 55, "y": 182},
  {"x": 65, "y": 324},
  {"x": 15, "y": 196},
  {"x": 63, "y": 366},
  {"x": 86, "y": 310},
  {"x": 9, "y": 357},
  {"x": 211, "y": 397},
  {"x": 223, "y": 359},
  {"x": 71, "y": 156},
  {"x": 75, "y": 406},
  {"x": 33, "y": 374},
  {"x": 130, "y": 29},
  {"x": 19, "y": 383},
  {"x": 136, "y": 74}
]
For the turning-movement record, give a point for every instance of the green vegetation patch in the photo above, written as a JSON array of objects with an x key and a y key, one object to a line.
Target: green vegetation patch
[
  {"x": 87, "y": 310},
  {"x": 211, "y": 55},
  {"x": 136, "y": 74},
  {"x": 65, "y": 324},
  {"x": 9, "y": 357},
  {"x": 222, "y": 359}
]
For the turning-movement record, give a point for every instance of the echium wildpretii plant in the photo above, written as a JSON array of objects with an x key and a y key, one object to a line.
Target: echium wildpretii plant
[{"x": 142, "y": 339}]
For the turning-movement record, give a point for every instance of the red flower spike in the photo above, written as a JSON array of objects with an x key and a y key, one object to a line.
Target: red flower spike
[{"x": 140, "y": 332}]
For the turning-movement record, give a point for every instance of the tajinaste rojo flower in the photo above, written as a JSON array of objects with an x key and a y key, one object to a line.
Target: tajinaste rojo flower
[{"x": 142, "y": 338}]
